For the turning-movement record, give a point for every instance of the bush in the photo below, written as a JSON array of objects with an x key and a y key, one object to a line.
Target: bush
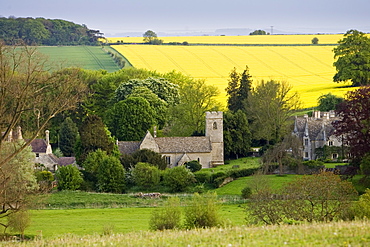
[
  {"x": 178, "y": 178},
  {"x": 202, "y": 212},
  {"x": 68, "y": 177},
  {"x": 313, "y": 163},
  {"x": 202, "y": 177},
  {"x": 246, "y": 192},
  {"x": 111, "y": 175},
  {"x": 242, "y": 172},
  {"x": 362, "y": 206},
  {"x": 166, "y": 217},
  {"x": 19, "y": 221},
  {"x": 193, "y": 166},
  {"x": 146, "y": 175}
]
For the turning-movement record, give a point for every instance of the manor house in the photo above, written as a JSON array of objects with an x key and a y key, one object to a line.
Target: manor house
[{"x": 208, "y": 150}]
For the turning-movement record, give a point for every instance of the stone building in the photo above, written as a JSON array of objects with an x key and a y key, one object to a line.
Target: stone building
[
  {"x": 317, "y": 136},
  {"x": 208, "y": 150}
]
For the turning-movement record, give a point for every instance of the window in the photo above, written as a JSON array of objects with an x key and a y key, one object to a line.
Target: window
[
  {"x": 168, "y": 160},
  {"x": 306, "y": 142},
  {"x": 214, "y": 125},
  {"x": 330, "y": 143},
  {"x": 198, "y": 160},
  {"x": 335, "y": 156},
  {"x": 37, "y": 155},
  {"x": 306, "y": 154}
]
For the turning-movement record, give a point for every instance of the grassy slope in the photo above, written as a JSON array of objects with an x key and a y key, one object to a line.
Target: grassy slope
[{"x": 87, "y": 57}]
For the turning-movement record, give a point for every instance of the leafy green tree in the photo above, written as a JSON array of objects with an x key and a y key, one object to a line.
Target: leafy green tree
[
  {"x": 315, "y": 41},
  {"x": 237, "y": 136},
  {"x": 270, "y": 107},
  {"x": 68, "y": 137},
  {"x": 178, "y": 178},
  {"x": 193, "y": 165},
  {"x": 238, "y": 90},
  {"x": 68, "y": 177},
  {"x": 151, "y": 37},
  {"x": 93, "y": 136},
  {"x": 328, "y": 102},
  {"x": 259, "y": 32},
  {"x": 110, "y": 175},
  {"x": 44, "y": 179},
  {"x": 187, "y": 117},
  {"x": 203, "y": 211},
  {"x": 353, "y": 58},
  {"x": 146, "y": 175},
  {"x": 131, "y": 118},
  {"x": 17, "y": 180},
  {"x": 19, "y": 221}
]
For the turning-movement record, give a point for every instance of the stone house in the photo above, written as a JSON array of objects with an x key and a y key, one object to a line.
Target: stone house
[
  {"x": 317, "y": 137},
  {"x": 208, "y": 150}
]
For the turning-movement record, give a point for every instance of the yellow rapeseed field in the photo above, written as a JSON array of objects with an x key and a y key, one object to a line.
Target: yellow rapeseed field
[
  {"x": 309, "y": 69},
  {"x": 249, "y": 39}
]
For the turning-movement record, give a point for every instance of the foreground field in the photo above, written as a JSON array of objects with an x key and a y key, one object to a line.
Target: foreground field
[
  {"x": 309, "y": 69},
  {"x": 87, "y": 57},
  {"x": 356, "y": 233}
]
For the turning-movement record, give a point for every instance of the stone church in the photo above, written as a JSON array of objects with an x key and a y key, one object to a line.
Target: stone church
[{"x": 208, "y": 150}]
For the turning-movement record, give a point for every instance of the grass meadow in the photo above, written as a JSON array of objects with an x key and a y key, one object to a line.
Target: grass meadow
[
  {"x": 308, "y": 69},
  {"x": 87, "y": 57}
]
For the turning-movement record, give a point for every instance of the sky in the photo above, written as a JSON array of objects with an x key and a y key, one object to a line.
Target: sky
[{"x": 115, "y": 17}]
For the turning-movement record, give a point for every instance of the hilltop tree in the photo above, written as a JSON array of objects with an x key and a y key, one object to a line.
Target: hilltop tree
[
  {"x": 353, "y": 59},
  {"x": 259, "y": 32},
  {"x": 151, "y": 37},
  {"x": 328, "y": 102}
]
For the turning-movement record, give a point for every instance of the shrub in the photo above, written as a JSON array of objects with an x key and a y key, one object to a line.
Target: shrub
[
  {"x": 246, "y": 192},
  {"x": 146, "y": 175},
  {"x": 313, "y": 163},
  {"x": 111, "y": 175},
  {"x": 241, "y": 172},
  {"x": 19, "y": 221},
  {"x": 362, "y": 206},
  {"x": 193, "y": 166},
  {"x": 44, "y": 179},
  {"x": 166, "y": 217},
  {"x": 68, "y": 177},
  {"x": 178, "y": 178},
  {"x": 202, "y": 212},
  {"x": 202, "y": 177}
]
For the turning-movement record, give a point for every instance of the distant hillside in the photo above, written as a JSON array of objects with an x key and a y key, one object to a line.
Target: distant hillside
[{"x": 42, "y": 31}]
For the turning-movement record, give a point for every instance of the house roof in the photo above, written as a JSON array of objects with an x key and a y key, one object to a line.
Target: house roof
[
  {"x": 194, "y": 144},
  {"x": 39, "y": 146},
  {"x": 64, "y": 161},
  {"x": 128, "y": 147},
  {"x": 318, "y": 129}
]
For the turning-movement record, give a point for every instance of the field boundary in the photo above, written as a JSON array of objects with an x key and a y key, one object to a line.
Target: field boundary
[{"x": 209, "y": 44}]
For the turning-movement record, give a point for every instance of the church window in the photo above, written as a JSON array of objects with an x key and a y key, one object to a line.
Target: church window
[
  {"x": 214, "y": 125},
  {"x": 306, "y": 142}
]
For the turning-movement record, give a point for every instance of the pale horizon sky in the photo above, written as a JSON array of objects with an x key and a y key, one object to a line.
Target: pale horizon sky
[{"x": 113, "y": 17}]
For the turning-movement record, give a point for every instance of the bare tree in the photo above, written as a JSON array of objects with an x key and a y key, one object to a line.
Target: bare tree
[{"x": 28, "y": 88}]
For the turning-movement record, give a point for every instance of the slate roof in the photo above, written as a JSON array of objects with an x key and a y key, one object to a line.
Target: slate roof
[
  {"x": 315, "y": 127},
  {"x": 64, "y": 161},
  {"x": 194, "y": 144},
  {"x": 128, "y": 147},
  {"x": 39, "y": 146}
]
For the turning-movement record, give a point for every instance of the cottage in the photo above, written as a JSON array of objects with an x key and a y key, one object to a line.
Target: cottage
[{"x": 208, "y": 150}]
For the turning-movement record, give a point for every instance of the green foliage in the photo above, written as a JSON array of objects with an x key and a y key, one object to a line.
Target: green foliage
[
  {"x": 149, "y": 156},
  {"x": 361, "y": 208},
  {"x": 166, "y": 217},
  {"x": 352, "y": 54},
  {"x": 259, "y": 32},
  {"x": 68, "y": 177},
  {"x": 146, "y": 175},
  {"x": 67, "y": 137},
  {"x": 313, "y": 163},
  {"x": 193, "y": 166},
  {"x": 110, "y": 175},
  {"x": 42, "y": 31},
  {"x": 19, "y": 221},
  {"x": 315, "y": 41},
  {"x": 178, "y": 178},
  {"x": 328, "y": 102},
  {"x": 202, "y": 177},
  {"x": 44, "y": 179},
  {"x": 246, "y": 192},
  {"x": 365, "y": 165},
  {"x": 131, "y": 118},
  {"x": 202, "y": 211},
  {"x": 237, "y": 136},
  {"x": 238, "y": 89}
]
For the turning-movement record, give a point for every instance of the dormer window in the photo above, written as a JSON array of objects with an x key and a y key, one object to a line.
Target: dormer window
[
  {"x": 330, "y": 143},
  {"x": 214, "y": 125}
]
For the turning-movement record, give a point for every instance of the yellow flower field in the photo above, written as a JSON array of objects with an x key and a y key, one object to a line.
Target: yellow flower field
[
  {"x": 307, "y": 68},
  {"x": 249, "y": 39}
]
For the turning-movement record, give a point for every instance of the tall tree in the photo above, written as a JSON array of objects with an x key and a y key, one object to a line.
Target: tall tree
[
  {"x": 131, "y": 118},
  {"x": 328, "y": 102},
  {"x": 270, "y": 106},
  {"x": 354, "y": 123},
  {"x": 237, "y": 136},
  {"x": 238, "y": 89},
  {"x": 28, "y": 90},
  {"x": 353, "y": 58},
  {"x": 67, "y": 137}
]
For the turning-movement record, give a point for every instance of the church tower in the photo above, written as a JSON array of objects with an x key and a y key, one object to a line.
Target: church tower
[{"x": 214, "y": 130}]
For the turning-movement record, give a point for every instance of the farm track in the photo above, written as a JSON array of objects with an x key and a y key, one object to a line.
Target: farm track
[{"x": 94, "y": 57}]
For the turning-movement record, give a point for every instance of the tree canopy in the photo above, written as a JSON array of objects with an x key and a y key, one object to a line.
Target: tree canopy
[
  {"x": 238, "y": 89},
  {"x": 40, "y": 31},
  {"x": 353, "y": 59}
]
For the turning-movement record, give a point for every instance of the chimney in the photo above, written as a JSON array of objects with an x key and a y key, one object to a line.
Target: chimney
[
  {"x": 19, "y": 133},
  {"x": 155, "y": 131},
  {"x": 47, "y": 137}
]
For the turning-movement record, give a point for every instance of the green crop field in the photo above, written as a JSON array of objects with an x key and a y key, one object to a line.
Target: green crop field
[{"x": 87, "y": 57}]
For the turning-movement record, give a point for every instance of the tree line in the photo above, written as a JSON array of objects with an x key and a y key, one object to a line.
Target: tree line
[{"x": 41, "y": 31}]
